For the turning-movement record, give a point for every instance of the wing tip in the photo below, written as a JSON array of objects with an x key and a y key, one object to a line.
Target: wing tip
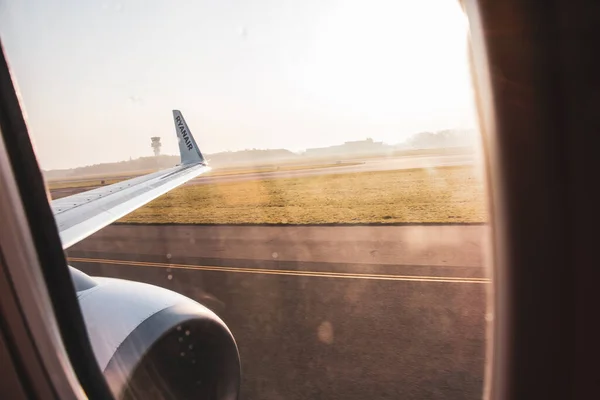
[{"x": 188, "y": 148}]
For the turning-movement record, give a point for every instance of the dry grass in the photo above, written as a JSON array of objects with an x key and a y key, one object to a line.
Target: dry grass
[
  {"x": 92, "y": 183},
  {"x": 447, "y": 194},
  {"x": 114, "y": 178},
  {"x": 274, "y": 168},
  {"x": 98, "y": 177}
]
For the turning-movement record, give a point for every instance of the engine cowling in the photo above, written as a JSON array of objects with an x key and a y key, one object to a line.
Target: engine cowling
[{"x": 151, "y": 342}]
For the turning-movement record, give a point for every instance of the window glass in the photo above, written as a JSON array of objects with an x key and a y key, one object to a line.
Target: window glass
[{"x": 340, "y": 231}]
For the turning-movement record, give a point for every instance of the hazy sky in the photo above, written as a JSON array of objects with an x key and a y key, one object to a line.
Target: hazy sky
[{"x": 98, "y": 78}]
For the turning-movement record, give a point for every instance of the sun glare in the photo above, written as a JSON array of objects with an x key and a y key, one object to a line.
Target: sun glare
[{"x": 382, "y": 58}]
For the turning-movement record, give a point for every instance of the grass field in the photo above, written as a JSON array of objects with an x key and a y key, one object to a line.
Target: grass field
[
  {"x": 77, "y": 184},
  {"x": 446, "y": 194},
  {"x": 275, "y": 168},
  {"x": 110, "y": 179}
]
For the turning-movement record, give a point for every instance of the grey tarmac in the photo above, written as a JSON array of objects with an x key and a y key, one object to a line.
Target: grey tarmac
[{"x": 331, "y": 312}]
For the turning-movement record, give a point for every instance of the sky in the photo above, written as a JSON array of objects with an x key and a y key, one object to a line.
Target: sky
[{"x": 97, "y": 79}]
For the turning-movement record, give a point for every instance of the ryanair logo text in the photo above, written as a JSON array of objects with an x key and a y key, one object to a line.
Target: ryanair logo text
[{"x": 184, "y": 133}]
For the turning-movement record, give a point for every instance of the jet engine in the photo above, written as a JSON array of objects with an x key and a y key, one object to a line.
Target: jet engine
[{"x": 153, "y": 343}]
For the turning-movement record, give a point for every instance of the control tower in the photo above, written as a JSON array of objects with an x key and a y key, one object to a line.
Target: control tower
[{"x": 156, "y": 145}]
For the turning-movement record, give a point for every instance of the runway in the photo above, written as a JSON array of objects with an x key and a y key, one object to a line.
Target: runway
[
  {"x": 377, "y": 312},
  {"x": 367, "y": 165},
  {"x": 341, "y": 275}
]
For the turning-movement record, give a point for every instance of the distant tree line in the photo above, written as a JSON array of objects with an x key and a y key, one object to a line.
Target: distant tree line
[
  {"x": 441, "y": 139},
  {"x": 423, "y": 140}
]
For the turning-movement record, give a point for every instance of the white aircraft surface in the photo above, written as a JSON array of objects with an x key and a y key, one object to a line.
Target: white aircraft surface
[{"x": 133, "y": 325}]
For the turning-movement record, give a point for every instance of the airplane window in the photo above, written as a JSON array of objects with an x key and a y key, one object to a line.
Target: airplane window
[{"x": 297, "y": 184}]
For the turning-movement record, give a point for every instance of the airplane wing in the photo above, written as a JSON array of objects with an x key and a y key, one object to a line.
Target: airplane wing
[{"x": 82, "y": 214}]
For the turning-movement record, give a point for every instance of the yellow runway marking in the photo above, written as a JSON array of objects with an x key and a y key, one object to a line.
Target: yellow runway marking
[{"x": 344, "y": 275}]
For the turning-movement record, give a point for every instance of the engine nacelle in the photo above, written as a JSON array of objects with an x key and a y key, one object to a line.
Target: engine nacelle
[{"x": 153, "y": 343}]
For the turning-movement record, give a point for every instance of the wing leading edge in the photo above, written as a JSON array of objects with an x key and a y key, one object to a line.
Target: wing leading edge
[{"x": 80, "y": 215}]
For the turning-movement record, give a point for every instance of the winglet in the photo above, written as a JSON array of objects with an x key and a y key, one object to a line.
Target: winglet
[{"x": 189, "y": 150}]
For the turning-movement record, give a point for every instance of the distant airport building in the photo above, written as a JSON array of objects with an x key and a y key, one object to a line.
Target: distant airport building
[
  {"x": 156, "y": 145},
  {"x": 367, "y": 146}
]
